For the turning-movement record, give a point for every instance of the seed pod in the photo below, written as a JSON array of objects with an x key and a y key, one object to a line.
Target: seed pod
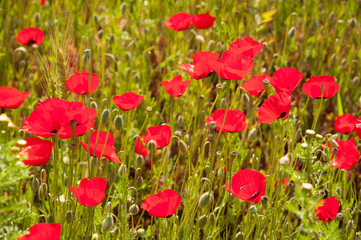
[
  {"x": 212, "y": 219},
  {"x": 202, "y": 221},
  {"x": 183, "y": 147},
  {"x": 118, "y": 122},
  {"x": 264, "y": 200},
  {"x": 134, "y": 209},
  {"x": 105, "y": 116},
  {"x": 339, "y": 215},
  {"x": 204, "y": 199},
  {"x": 239, "y": 236},
  {"x": 253, "y": 209},
  {"x": 213, "y": 124},
  {"x": 108, "y": 223}
]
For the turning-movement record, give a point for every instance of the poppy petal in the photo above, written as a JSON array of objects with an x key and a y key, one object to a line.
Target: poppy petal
[
  {"x": 178, "y": 22},
  {"x": 11, "y": 97},
  {"x": 276, "y": 106},
  {"x": 128, "y": 101}
]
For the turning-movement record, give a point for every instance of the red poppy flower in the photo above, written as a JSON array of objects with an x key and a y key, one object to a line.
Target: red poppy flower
[
  {"x": 275, "y": 107},
  {"x": 11, "y": 97},
  {"x": 30, "y": 36},
  {"x": 140, "y": 148},
  {"x": 98, "y": 147},
  {"x": 232, "y": 65},
  {"x": 90, "y": 192},
  {"x": 162, "y": 205},
  {"x": 128, "y": 101},
  {"x": 179, "y": 21},
  {"x": 347, "y": 154},
  {"x": 176, "y": 87},
  {"x": 248, "y": 185},
  {"x": 328, "y": 210},
  {"x": 55, "y": 116},
  {"x": 201, "y": 67},
  {"x": 161, "y": 134},
  {"x": 247, "y": 46},
  {"x": 254, "y": 85},
  {"x": 43, "y": 231},
  {"x": 313, "y": 87},
  {"x": 235, "y": 120},
  {"x": 345, "y": 123},
  {"x": 203, "y": 21},
  {"x": 36, "y": 152},
  {"x": 286, "y": 80},
  {"x": 79, "y": 83}
]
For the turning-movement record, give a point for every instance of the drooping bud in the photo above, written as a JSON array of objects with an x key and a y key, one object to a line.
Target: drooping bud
[
  {"x": 291, "y": 32},
  {"x": 239, "y": 236},
  {"x": 43, "y": 191},
  {"x": 139, "y": 160},
  {"x": 212, "y": 219},
  {"x": 151, "y": 145},
  {"x": 107, "y": 223},
  {"x": 112, "y": 177},
  {"x": 134, "y": 209},
  {"x": 252, "y": 134},
  {"x": 105, "y": 116},
  {"x": 253, "y": 209},
  {"x": 93, "y": 105},
  {"x": 139, "y": 182},
  {"x": 51, "y": 219},
  {"x": 140, "y": 232},
  {"x": 204, "y": 199},
  {"x": 68, "y": 216},
  {"x": 202, "y": 221},
  {"x": 122, "y": 170},
  {"x": 35, "y": 184},
  {"x": 183, "y": 147},
  {"x": 180, "y": 120},
  {"x": 118, "y": 122}
]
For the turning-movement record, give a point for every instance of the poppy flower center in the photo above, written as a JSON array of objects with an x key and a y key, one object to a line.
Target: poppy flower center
[
  {"x": 283, "y": 114},
  {"x": 254, "y": 196},
  {"x": 54, "y": 131},
  {"x": 31, "y": 42}
]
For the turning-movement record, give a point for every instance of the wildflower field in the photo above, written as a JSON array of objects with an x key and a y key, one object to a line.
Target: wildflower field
[{"x": 180, "y": 119}]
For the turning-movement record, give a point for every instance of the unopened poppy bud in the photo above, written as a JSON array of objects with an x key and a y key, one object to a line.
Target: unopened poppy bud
[
  {"x": 134, "y": 209},
  {"x": 253, "y": 209},
  {"x": 252, "y": 134},
  {"x": 180, "y": 120},
  {"x": 349, "y": 225},
  {"x": 319, "y": 136},
  {"x": 93, "y": 162},
  {"x": 105, "y": 116},
  {"x": 118, "y": 122},
  {"x": 339, "y": 215},
  {"x": 334, "y": 143},
  {"x": 331, "y": 16},
  {"x": 183, "y": 147},
  {"x": 107, "y": 223},
  {"x": 224, "y": 102},
  {"x": 239, "y": 236},
  {"x": 111, "y": 39},
  {"x": 321, "y": 193},
  {"x": 284, "y": 160},
  {"x": 202, "y": 221},
  {"x": 122, "y": 170},
  {"x": 245, "y": 98},
  {"x": 219, "y": 87},
  {"x": 210, "y": 45},
  {"x": 139, "y": 160},
  {"x": 68, "y": 216},
  {"x": 233, "y": 154},
  {"x": 128, "y": 56},
  {"x": 96, "y": 19},
  {"x": 151, "y": 145},
  {"x": 219, "y": 46},
  {"x": 140, "y": 232},
  {"x": 43, "y": 175},
  {"x": 304, "y": 145},
  {"x": 264, "y": 199},
  {"x": 139, "y": 182},
  {"x": 136, "y": 78},
  {"x": 310, "y": 132},
  {"x": 123, "y": 8},
  {"x": 100, "y": 33},
  {"x": 200, "y": 38},
  {"x": 352, "y": 23},
  {"x": 51, "y": 219},
  {"x": 93, "y": 105},
  {"x": 112, "y": 177},
  {"x": 303, "y": 230},
  {"x": 291, "y": 32},
  {"x": 220, "y": 172},
  {"x": 37, "y": 17},
  {"x": 213, "y": 124},
  {"x": 212, "y": 219},
  {"x": 35, "y": 184},
  {"x": 204, "y": 199},
  {"x": 339, "y": 191},
  {"x": 87, "y": 53},
  {"x": 43, "y": 191}
]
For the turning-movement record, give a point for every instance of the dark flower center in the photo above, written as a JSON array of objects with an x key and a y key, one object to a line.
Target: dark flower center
[
  {"x": 54, "y": 131},
  {"x": 283, "y": 114},
  {"x": 254, "y": 196},
  {"x": 31, "y": 42}
]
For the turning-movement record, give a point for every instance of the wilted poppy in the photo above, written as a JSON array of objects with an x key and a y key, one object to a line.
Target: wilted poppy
[
  {"x": 176, "y": 87},
  {"x": 347, "y": 154},
  {"x": 140, "y": 148},
  {"x": 286, "y": 80},
  {"x": 234, "y": 121},
  {"x": 43, "y": 231},
  {"x": 247, "y": 46},
  {"x": 318, "y": 84},
  {"x": 161, "y": 134},
  {"x": 201, "y": 67},
  {"x": 248, "y": 185},
  {"x": 179, "y": 21},
  {"x": 128, "y": 101},
  {"x": 254, "y": 85},
  {"x": 91, "y": 192},
  {"x": 36, "y": 152},
  {"x": 232, "y": 65},
  {"x": 56, "y": 116},
  {"x": 101, "y": 144},
  {"x": 30, "y": 36},
  {"x": 162, "y": 205},
  {"x": 79, "y": 83},
  {"x": 275, "y": 107},
  {"x": 345, "y": 123},
  {"x": 203, "y": 21},
  {"x": 328, "y": 210},
  {"x": 11, "y": 97}
]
